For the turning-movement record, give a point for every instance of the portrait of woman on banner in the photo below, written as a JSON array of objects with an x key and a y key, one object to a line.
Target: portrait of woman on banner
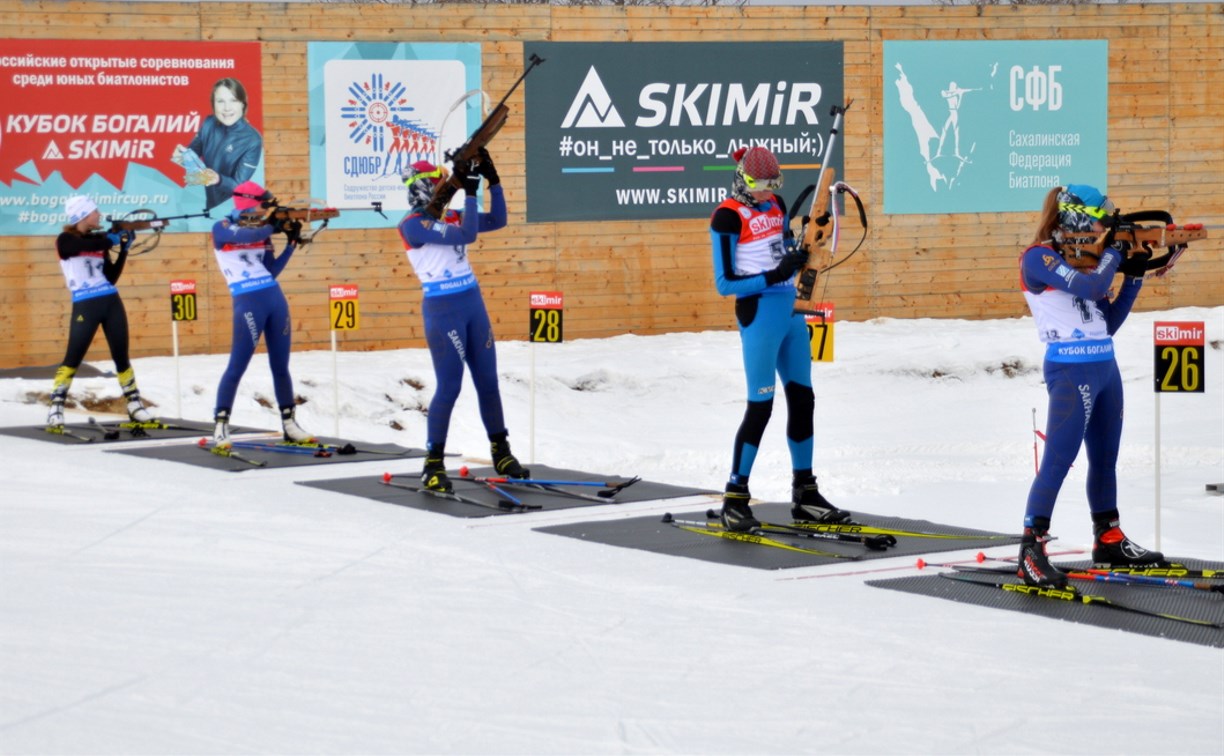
[{"x": 227, "y": 150}]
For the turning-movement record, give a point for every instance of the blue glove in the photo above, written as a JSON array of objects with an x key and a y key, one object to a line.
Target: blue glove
[{"x": 114, "y": 238}]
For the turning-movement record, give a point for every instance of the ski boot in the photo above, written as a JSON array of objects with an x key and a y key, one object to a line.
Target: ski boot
[
  {"x": 1033, "y": 564},
  {"x": 135, "y": 407},
  {"x": 503, "y": 461},
  {"x": 55, "y": 416},
  {"x": 138, "y": 412},
  {"x": 433, "y": 475},
  {"x": 811, "y": 506},
  {"x": 1111, "y": 547},
  {"x": 293, "y": 431},
  {"x": 736, "y": 514},
  {"x": 59, "y": 395},
  {"x": 221, "y": 434}
]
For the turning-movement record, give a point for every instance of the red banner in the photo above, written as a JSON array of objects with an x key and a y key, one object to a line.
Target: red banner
[
  {"x": 83, "y": 107},
  {"x": 164, "y": 126}
]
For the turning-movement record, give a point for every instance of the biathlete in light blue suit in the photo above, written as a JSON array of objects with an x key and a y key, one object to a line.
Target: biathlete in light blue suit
[
  {"x": 754, "y": 260},
  {"x": 457, "y": 327}
]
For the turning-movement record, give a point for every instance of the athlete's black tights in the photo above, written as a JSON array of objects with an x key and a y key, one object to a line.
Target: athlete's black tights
[{"x": 87, "y": 314}]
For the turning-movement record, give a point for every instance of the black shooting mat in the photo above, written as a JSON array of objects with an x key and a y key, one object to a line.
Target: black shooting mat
[
  {"x": 652, "y": 534},
  {"x": 47, "y": 372},
  {"x": 372, "y": 487},
  {"x": 1182, "y": 602},
  {"x": 85, "y": 434},
  {"x": 201, "y": 456}
]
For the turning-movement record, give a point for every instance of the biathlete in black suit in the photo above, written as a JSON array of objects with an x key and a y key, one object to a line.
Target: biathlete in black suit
[{"x": 91, "y": 275}]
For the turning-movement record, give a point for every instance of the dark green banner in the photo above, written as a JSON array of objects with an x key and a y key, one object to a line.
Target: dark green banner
[{"x": 632, "y": 131}]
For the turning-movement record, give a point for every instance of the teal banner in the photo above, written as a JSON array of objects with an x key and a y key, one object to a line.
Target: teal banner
[
  {"x": 634, "y": 131},
  {"x": 378, "y": 107},
  {"x": 992, "y": 126}
]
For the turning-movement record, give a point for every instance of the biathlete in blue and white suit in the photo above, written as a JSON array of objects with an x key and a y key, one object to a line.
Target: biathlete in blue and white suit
[
  {"x": 755, "y": 261},
  {"x": 248, "y": 261},
  {"x": 457, "y": 326},
  {"x": 1076, "y": 321}
]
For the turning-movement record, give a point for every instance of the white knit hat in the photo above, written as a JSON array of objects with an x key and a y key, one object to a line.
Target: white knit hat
[{"x": 79, "y": 208}]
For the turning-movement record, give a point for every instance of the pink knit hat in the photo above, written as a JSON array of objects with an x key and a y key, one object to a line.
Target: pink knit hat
[{"x": 248, "y": 194}]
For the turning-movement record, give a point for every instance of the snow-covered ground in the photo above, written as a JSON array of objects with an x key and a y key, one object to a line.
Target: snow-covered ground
[{"x": 149, "y": 607}]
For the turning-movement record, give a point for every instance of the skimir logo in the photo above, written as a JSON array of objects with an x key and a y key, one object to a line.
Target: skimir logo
[
  {"x": 375, "y": 116},
  {"x": 1173, "y": 333},
  {"x": 592, "y": 106},
  {"x": 715, "y": 103}
]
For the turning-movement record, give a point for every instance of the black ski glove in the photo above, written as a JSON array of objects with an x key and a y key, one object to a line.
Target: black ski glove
[
  {"x": 471, "y": 183},
  {"x": 1135, "y": 266},
  {"x": 293, "y": 230},
  {"x": 787, "y": 267},
  {"x": 487, "y": 169}
]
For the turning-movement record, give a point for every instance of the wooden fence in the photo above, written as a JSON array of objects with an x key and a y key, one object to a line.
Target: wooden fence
[{"x": 1166, "y": 144}]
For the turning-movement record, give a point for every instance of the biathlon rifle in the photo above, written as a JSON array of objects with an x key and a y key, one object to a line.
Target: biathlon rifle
[
  {"x": 465, "y": 158},
  {"x": 1140, "y": 232},
  {"x": 145, "y": 220},
  {"x": 820, "y": 228},
  {"x": 296, "y": 222}
]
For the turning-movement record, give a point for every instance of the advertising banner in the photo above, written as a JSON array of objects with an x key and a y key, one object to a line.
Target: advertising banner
[
  {"x": 992, "y": 126},
  {"x": 378, "y": 107},
  {"x": 170, "y": 127},
  {"x": 634, "y": 131}
]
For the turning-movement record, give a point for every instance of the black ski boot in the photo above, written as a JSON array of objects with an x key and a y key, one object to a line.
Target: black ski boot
[
  {"x": 1111, "y": 547},
  {"x": 736, "y": 514},
  {"x": 503, "y": 461},
  {"x": 811, "y": 506},
  {"x": 433, "y": 475},
  {"x": 1033, "y": 565}
]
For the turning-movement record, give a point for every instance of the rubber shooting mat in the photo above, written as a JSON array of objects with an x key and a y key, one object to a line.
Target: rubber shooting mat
[
  {"x": 978, "y": 588},
  {"x": 266, "y": 455},
  {"x": 652, "y": 534},
  {"x": 564, "y": 497},
  {"x": 112, "y": 431},
  {"x": 47, "y": 372}
]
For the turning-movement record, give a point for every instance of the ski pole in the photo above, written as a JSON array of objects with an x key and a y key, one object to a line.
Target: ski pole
[
  {"x": 1036, "y": 469},
  {"x": 615, "y": 487},
  {"x": 1105, "y": 576},
  {"x": 312, "y": 451}
]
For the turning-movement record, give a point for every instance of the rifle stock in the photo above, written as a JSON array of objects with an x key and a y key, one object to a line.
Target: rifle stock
[
  {"x": 304, "y": 214},
  {"x": 1082, "y": 251},
  {"x": 819, "y": 244},
  {"x": 466, "y": 155},
  {"x": 1169, "y": 235},
  {"x": 144, "y": 224},
  {"x": 149, "y": 222}
]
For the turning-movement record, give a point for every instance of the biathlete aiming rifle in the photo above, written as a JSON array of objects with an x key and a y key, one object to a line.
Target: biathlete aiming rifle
[
  {"x": 145, "y": 220},
  {"x": 465, "y": 157},
  {"x": 1130, "y": 236},
  {"x": 820, "y": 227}
]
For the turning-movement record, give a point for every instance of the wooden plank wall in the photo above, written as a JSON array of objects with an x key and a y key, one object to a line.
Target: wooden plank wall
[{"x": 1166, "y": 143}]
